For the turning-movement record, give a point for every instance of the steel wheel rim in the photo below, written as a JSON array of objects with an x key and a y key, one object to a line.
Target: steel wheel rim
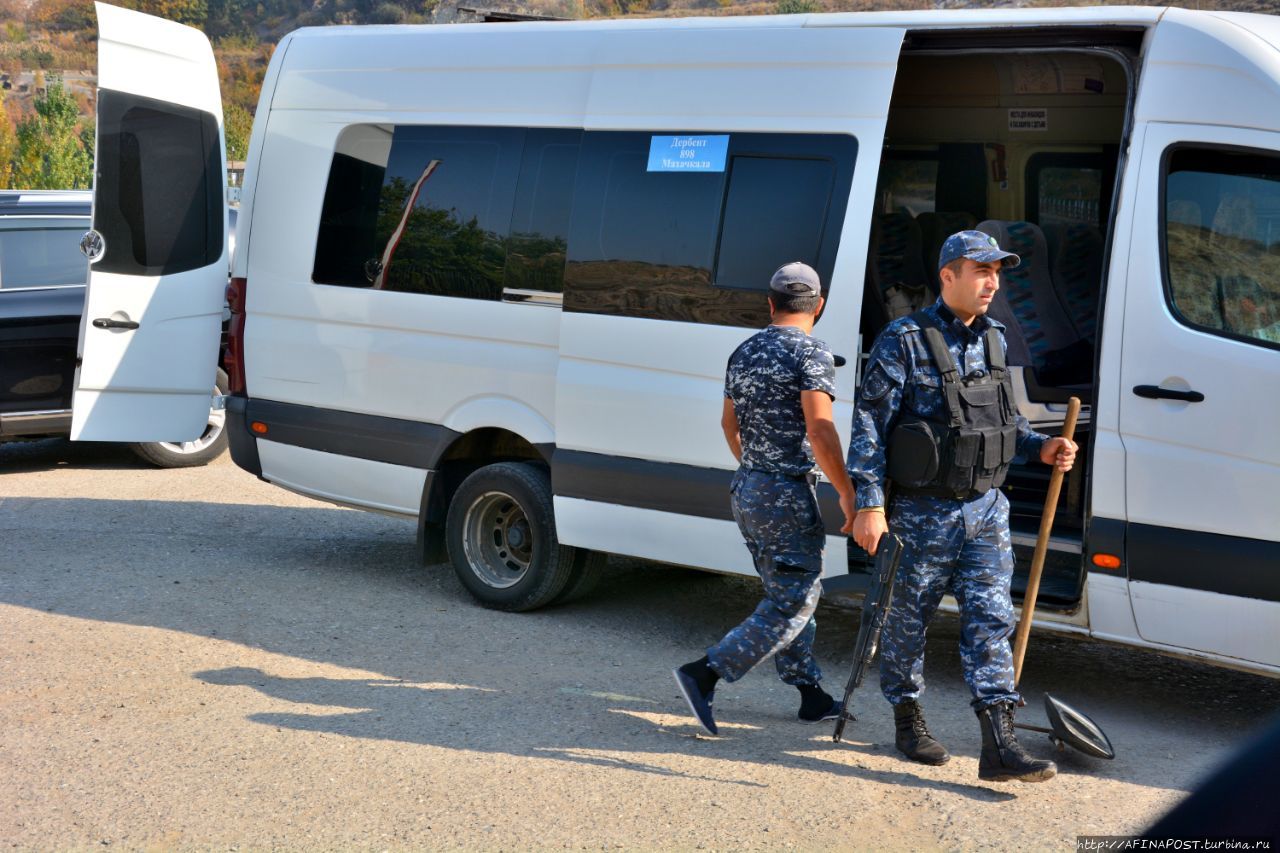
[
  {"x": 497, "y": 540},
  {"x": 212, "y": 431}
]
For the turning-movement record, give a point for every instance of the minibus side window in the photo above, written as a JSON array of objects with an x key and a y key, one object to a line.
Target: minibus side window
[
  {"x": 699, "y": 246},
  {"x": 641, "y": 243},
  {"x": 445, "y": 209},
  {"x": 347, "y": 220},
  {"x": 540, "y": 223},
  {"x": 439, "y": 221},
  {"x": 1221, "y": 241},
  {"x": 776, "y": 208}
]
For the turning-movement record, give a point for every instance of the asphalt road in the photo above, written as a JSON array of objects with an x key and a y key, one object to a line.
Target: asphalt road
[{"x": 195, "y": 659}]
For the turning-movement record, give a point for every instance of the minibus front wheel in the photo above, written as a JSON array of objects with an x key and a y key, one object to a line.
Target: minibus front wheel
[{"x": 501, "y": 537}]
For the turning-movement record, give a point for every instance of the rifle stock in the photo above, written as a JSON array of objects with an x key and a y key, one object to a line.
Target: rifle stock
[{"x": 875, "y": 607}]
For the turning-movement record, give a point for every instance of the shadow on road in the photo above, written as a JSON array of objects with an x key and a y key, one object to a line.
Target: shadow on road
[
  {"x": 47, "y": 454},
  {"x": 586, "y": 683}
]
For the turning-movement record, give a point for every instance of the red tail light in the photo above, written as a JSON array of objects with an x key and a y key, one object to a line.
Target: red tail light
[{"x": 233, "y": 359}]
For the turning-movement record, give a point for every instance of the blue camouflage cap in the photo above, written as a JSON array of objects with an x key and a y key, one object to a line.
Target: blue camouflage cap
[{"x": 976, "y": 246}]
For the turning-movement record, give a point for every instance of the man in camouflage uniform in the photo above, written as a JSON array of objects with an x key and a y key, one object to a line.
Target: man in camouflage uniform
[
  {"x": 779, "y": 386},
  {"x": 950, "y": 544}
]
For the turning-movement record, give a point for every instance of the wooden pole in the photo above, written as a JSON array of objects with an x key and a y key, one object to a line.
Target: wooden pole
[{"x": 1042, "y": 546}]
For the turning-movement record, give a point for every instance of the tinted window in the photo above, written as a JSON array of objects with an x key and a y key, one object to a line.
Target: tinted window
[
  {"x": 40, "y": 257},
  {"x": 1222, "y": 241},
  {"x": 445, "y": 210},
  {"x": 540, "y": 223},
  {"x": 420, "y": 210},
  {"x": 348, "y": 220},
  {"x": 776, "y": 209},
  {"x": 687, "y": 245},
  {"x": 159, "y": 197}
]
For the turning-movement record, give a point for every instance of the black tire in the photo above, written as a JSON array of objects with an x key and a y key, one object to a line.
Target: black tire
[
  {"x": 205, "y": 449},
  {"x": 588, "y": 568},
  {"x": 501, "y": 538}
]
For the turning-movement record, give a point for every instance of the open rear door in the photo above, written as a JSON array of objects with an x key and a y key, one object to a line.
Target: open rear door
[{"x": 153, "y": 307}]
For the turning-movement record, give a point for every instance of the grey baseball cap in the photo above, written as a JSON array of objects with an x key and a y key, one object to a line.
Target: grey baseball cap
[
  {"x": 976, "y": 246},
  {"x": 796, "y": 279}
]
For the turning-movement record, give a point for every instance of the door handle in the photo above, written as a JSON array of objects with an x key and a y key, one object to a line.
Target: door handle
[
  {"x": 108, "y": 323},
  {"x": 840, "y": 360},
  {"x": 1155, "y": 392}
]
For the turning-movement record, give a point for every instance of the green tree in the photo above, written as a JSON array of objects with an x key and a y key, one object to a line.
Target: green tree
[
  {"x": 52, "y": 152},
  {"x": 8, "y": 146},
  {"x": 237, "y": 122},
  {"x": 795, "y": 7}
]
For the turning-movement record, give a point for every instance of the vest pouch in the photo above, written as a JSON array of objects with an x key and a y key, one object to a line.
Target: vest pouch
[
  {"x": 913, "y": 453},
  {"x": 1010, "y": 437},
  {"x": 992, "y": 448},
  {"x": 966, "y": 446},
  {"x": 976, "y": 401}
]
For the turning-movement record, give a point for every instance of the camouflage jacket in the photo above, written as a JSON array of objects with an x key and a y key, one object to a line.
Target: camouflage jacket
[
  {"x": 901, "y": 373},
  {"x": 764, "y": 378}
]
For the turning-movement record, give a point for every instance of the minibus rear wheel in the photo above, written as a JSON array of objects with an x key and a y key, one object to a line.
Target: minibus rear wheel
[{"x": 501, "y": 537}]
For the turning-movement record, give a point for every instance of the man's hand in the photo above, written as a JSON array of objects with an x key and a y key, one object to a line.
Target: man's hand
[
  {"x": 847, "y": 507},
  {"x": 868, "y": 527},
  {"x": 1059, "y": 452}
]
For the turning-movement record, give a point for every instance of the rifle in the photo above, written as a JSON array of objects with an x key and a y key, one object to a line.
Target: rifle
[{"x": 875, "y": 607}]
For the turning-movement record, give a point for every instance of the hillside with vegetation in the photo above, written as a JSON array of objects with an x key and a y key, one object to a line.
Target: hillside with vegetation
[{"x": 48, "y": 56}]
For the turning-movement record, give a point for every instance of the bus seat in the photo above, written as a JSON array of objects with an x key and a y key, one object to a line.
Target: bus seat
[
  {"x": 894, "y": 264},
  {"x": 1075, "y": 265},
  {"x": 1059, "y": 355}
]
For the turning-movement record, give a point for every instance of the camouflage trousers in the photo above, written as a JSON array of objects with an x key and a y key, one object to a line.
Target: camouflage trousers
[
  {"x": 782, "y": 526},
  {"x": 964, "y": 548}
]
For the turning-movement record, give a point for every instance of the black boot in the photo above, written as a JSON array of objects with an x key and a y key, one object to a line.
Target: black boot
[
  {"x": 1003, "y": 758},
  {"x": 913, "y": 739}
]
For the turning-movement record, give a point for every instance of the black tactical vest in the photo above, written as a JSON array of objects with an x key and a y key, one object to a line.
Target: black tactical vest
[{"x": 969, "y": 452}]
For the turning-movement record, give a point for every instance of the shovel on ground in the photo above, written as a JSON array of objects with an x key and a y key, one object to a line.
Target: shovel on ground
[{"x": 1067, "y": 726}]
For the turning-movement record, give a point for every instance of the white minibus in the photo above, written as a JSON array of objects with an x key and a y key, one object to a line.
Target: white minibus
[{"x": 488, "y": 276}]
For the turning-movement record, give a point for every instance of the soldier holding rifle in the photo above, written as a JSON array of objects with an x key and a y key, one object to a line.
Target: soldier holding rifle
[{"x": 935, "y": 416}]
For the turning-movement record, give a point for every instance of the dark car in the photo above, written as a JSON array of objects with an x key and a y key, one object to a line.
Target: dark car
[{"x": 42, "y": 284}]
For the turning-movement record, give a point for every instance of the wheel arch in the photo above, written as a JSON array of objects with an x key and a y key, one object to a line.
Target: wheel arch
[{"x": 473, "y": 449}]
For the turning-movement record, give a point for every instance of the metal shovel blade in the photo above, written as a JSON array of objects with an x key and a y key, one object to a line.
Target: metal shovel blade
[{"x": 1076, "y": 730}]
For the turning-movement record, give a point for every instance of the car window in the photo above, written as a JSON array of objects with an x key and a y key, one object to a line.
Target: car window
[
  {"x": 41, "y": 257},
  {"x": 1222, "y": 241}
]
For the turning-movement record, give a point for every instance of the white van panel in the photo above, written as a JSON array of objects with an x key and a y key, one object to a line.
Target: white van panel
[
  {"x": 1234, "y": 627},
  {"x": 512, "y": 414},
  {"x": 651, "y": 364},
  {"x": 1211, "y": 69},
  {"x": 420, "y": 365},
  {"x": 1110, "y": 613},
  {"x": 371, "y": 485},
  {"x": 668, "y": 537}
]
